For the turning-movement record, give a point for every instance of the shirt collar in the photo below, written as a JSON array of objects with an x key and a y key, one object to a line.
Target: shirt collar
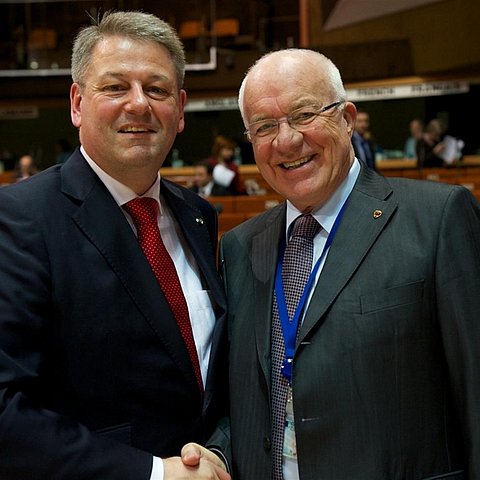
[
  {"x": 207, "y": 188},
  {"x": 327, "y": 213},
  {"x": 120, "y": 192}
]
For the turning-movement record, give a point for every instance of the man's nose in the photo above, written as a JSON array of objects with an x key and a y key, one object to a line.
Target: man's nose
[
  {"x": 137, "y": 99},
  {"x": 287, "y": 135}
]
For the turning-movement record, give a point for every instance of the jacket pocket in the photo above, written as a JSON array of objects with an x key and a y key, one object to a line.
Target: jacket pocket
[
  {"x": 458, "y": 475},
  {"x": 398, "y": 296}
]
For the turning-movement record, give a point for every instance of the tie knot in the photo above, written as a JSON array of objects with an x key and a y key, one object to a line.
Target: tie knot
[
  {"x": 305, "y": 226},
  {"x": 142, "y": 210}
]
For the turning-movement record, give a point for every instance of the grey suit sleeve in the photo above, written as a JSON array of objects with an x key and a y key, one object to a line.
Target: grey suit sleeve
[
  {"x": 219, "y": 442},
  {"x": 457, "y": 272}
]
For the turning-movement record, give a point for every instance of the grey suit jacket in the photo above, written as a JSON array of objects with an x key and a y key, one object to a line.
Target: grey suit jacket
[
  {"x": 94, "y": 375},
  {"x": 386, "y": 375}
]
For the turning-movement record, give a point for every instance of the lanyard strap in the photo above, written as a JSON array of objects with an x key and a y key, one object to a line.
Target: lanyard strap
[{"x": 290, "y": 327}]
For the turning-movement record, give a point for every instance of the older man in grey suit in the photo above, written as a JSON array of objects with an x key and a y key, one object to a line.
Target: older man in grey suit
[{"x": 381, "y": 379}]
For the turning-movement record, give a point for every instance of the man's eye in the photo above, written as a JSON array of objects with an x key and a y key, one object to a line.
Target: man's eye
[
  {"x": 157, "y": 91},
  {"x": 302, "y": 117},
  {"x": 264, "y": 128},
  {"x": 113, "y": 88}
]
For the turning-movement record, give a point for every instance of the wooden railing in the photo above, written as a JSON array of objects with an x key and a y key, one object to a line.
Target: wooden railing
[
  {"x": 235, "y": 210},
  {"x": 465, "y": 172},
  {"x": 6, "y": 177},
  {"x": 184, "y": 175}
]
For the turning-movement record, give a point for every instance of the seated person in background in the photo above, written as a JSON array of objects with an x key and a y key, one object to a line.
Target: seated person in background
[
  {"x": 24, "y": 168},
  {"x": 203, "y": 182},
  {"x": 430, "y": 146},
  {"x": 416, "y": 132},
  {"x": 225, "y": 170},
  {"x": 361, "y": 139}
]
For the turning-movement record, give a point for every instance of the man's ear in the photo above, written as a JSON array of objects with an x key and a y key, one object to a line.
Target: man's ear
[
  {"x": 181, "y": 105},
  {"x": 75, "y": 105},
  {"x": 350, "y": 115}
]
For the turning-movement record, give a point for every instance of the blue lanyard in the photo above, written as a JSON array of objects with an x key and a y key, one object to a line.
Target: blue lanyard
[{"x": 289, "y": 328}]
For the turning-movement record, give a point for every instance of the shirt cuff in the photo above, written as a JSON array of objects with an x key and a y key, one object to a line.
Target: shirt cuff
[
  {"x": 222, "y": 457},
  {"x": 157, "y": 469}
]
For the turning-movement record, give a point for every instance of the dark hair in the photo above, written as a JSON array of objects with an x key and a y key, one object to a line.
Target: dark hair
[
  {"x": 207, "y": 164},
  {"x": 222, "y": 142}
]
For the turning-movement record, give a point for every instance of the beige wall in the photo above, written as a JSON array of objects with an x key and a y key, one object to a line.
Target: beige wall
[{"x": 443, "y": 36}]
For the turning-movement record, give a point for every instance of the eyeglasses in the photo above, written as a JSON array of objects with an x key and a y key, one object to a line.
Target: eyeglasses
[{"x": 268, "y": 129}]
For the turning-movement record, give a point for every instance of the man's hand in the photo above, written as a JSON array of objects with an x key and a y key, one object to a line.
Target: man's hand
[
  {"x": 196, "y": 462},
  {"x": 192, "y": 453}
]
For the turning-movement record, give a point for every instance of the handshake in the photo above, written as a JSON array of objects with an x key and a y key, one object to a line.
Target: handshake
[{"x": 195, "y": 462}]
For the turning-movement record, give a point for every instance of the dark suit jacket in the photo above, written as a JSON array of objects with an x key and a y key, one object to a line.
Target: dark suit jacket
[
  {"x": 94, "y": 374},
  {"x": 386, "y": 373},
  {"x": 364, "y": 150}
]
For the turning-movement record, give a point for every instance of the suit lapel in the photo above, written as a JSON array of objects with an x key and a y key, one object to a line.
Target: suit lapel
[
  {"x": 264, "y": 263},
  {"x": 359, "y": 229},
  {"x": 104, "y": 224}
]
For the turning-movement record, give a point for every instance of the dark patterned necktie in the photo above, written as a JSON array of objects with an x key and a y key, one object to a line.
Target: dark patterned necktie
[
  {"x": 297, "y": 265},
  {"x": 144, "y": 212}
]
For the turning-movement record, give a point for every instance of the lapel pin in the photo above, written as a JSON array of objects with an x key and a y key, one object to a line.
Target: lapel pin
[
  {"x": 199, "y": 220},
  {"x": 377, "y": 213}
]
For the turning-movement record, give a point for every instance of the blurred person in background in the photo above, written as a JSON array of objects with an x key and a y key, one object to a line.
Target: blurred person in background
[
  {"x": 225, "y": 171},
  {"x": 24, "y": 168},
  {"x": 430, "y": 146},
  {"x": 362, "y": 141},
  {"x": 416, "y": 128},
  {"x": 203, "y": 182}
]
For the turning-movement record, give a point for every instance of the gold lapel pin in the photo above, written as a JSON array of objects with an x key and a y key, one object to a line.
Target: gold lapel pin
[
  {"x": 377, "y": 213},
  {"x": 199, "y": 220}
]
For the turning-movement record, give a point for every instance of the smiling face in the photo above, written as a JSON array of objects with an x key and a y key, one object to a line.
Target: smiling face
[
  {"x": 129, "y": 109},
  {"x": 305, "y": 167}
]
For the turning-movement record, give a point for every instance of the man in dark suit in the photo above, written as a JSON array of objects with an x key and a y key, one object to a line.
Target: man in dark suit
[
  {"x": 96, "y": 380},
  {"x": 203, "y": 182},
  {"x": 381, "y": 378},
  {"x": 363, "y": 146}
]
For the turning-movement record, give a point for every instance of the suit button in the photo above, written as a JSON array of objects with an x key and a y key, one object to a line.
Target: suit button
[{"x": 267, "y": 444}]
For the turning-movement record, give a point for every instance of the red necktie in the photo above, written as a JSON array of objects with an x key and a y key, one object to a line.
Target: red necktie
[{"x": 144, "y": 212}]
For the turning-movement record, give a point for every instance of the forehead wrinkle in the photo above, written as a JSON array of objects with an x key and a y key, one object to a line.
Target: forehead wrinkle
[
  {"x": 291, "y": 106},
  {"x": 265, "y": 93},
  {"x": 289, "y": 74},
  {"x": 121, "y": 76},
  {"x": 116, "y": 57}
]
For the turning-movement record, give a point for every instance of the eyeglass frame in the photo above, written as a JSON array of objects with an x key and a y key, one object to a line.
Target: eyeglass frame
[{"x": 276, "y": 122}]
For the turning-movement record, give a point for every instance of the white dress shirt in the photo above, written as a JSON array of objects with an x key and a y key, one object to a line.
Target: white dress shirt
[
  {"x": 206, "y": 190},
  {"x": 325, "y": 216}
]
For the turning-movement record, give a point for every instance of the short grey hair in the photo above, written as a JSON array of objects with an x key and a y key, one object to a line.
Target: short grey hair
[
  {"x": 330, "y": 70},
  {"x": 133, "y": 24}
]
